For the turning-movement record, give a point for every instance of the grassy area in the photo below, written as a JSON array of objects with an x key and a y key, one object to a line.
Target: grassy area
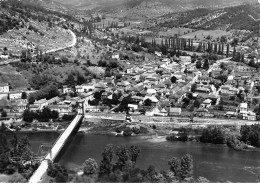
[
  {"x": 202, "y": 34},
  {"x": 4, "y": 178},
  {"x": 9, "y": 74}
]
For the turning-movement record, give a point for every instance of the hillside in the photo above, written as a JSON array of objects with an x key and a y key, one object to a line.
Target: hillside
[
  {"x": 243, "y": 17},
  {"x": 138, "y": 9},
  {"x": 25, "y": 26}
]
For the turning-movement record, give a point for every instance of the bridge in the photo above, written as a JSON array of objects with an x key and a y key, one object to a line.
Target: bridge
[{"x": 58, "y": 147}]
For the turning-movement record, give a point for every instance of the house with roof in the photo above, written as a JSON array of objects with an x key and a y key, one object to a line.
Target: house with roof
[
  {"x": 4, "y": 87},
  {"x": 152, "y": 111},
  {"x": 34, "y": 108},
  {"x": 154, "y": 100},
  {"x": 106, "y": 95},
  {"x": 61, "y": 108},
  {"x": 203, "y": 113},
  {"x": 41, "y": 103},
  {"x": 228, "y": 89},
  {"x": 206, "y": 103},
  {"x": 15, "y": 95},
  {"x": 124, "y": 85},
  {"x": 174, "y": 111},
  {"x": 100, "y": 86},
  {"x": 65, "y": 89},
  {"x": 137, "y": 99},
  {"x": 163, "y": 112},
  {"x": 204, "y": 80}
]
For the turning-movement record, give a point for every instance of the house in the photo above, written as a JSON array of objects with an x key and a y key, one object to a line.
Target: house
[
  {"x": 152, "y": 111},
  {"x": 124, "y": 85},
  {"x": 133, "y": 107},
  {"x": 203, "y": 113},
  {"x": 65, "y": 89},
  {"x": 227, "y": 89},
  {"x": 164, "y": 112},
  {"x": 41, "y": 103},
  {"x": 33, "y": 108},
  {"x": 15, "y": 95},
  {"x": 61, "y": 108},
  {"x": 206, "y": 103},
  {"x": 230, "y": 114},
  {"x": 175, "y": 111},
  {"x": 154, "y": 100},
  {"x": 204, "y": 80},
  {"x": 243, "y": 108},
  {"x": 100, "y": 86},
  {"x": 4, "y": 87},
  {"x": 96, "y": 108},
  {"x": 106, "y": 95},
  {"x": 137, "y": 99},
  {"x": 4, "y": 56}
]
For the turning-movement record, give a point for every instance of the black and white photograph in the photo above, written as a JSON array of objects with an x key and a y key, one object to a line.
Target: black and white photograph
[{"x": 129, "y": 91}]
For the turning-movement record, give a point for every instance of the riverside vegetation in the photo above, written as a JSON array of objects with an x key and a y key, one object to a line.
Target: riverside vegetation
[
  {"x": 118, "y": 164},
  {"x": 248, "y": 135}
]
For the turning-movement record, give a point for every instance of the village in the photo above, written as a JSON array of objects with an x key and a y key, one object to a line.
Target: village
[
  {"x": 155, "y": 85},
  {"x": 203, "y": 78}
]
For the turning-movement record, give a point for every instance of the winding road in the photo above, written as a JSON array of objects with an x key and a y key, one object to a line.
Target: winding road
[{"x": 74, "y": 42}]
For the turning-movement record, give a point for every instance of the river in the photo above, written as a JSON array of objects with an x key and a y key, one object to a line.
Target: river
[{"x": 217, "y": 163}]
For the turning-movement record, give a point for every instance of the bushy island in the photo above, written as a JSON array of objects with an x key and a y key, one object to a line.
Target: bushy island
[
  {"x": 248, "y": 136},
  {"x": 118, "y": 165}
]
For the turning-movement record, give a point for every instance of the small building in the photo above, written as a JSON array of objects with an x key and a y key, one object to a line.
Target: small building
[
  {"x": 175, "y": 111},
  {"x": 4, "y": 87},
  {"x": 164, "y": 112},
  {"x": 15, "y": 95}
]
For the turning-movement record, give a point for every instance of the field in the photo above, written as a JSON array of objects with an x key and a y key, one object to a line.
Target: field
[
  {"x": 178, "y": 31},
  {"x": 202, "y": 34}
]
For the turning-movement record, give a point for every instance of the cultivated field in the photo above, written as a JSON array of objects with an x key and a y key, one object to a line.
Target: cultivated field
[{"x": 203, "y": 34}]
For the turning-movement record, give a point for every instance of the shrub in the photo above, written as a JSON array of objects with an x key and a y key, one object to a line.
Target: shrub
[
  {"x": 127, "y": 132},
  {"x": 171, "y": 137},
  {"x": 90, "y": 166},
  {"x": 136, "y": 130},
  {"x": 17, "y": 178}
]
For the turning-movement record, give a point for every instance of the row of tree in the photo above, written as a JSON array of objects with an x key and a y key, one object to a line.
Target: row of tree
[
  {"x": 44, "y": 115},
  {"x": 118, "y": 165}
]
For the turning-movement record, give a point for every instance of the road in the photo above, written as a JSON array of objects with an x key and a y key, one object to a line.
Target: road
[{"x": 74, "y": 41}]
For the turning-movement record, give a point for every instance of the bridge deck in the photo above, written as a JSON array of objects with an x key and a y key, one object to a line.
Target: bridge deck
[{"x": 37, "y": 176}]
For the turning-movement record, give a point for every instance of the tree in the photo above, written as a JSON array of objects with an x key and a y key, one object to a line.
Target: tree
[
  {"x": 193, "y": 87},
  {"x": 206, "y": 64},
  {"x": 90, "y": 166},
  {"x": 106, "y": 164},
  {"x": 17, "y": 178},
  {"x": 3, "y": 114},
  {"x": 58, "y": 172},
  {"x": 28, "y": 116},
  {"x": 173, "y": 79},
  {"x": 24, "y": 95},
  {"x": 123, "y": 155},
  {"x": 175, "y": 166},
  {"x": 54, "y": 114},
  {"x": 186, "y": 166},
  {"x": 31, "y": 99},
  {"x": 147, "y": 102},
  {"x": 198, "y": 64},
  {"x": 134, "y": 153}
]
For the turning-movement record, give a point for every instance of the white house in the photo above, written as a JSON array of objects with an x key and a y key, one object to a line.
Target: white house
[
  {"x": 4, "y": 56},
  {"x": 15, "y": 95},
  {"x": 4, "y": 87},
  {"x": 41, "y": 103}
]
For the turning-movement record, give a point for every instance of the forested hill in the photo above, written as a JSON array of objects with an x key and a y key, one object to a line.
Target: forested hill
[{"x": 243, "y": 17}]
